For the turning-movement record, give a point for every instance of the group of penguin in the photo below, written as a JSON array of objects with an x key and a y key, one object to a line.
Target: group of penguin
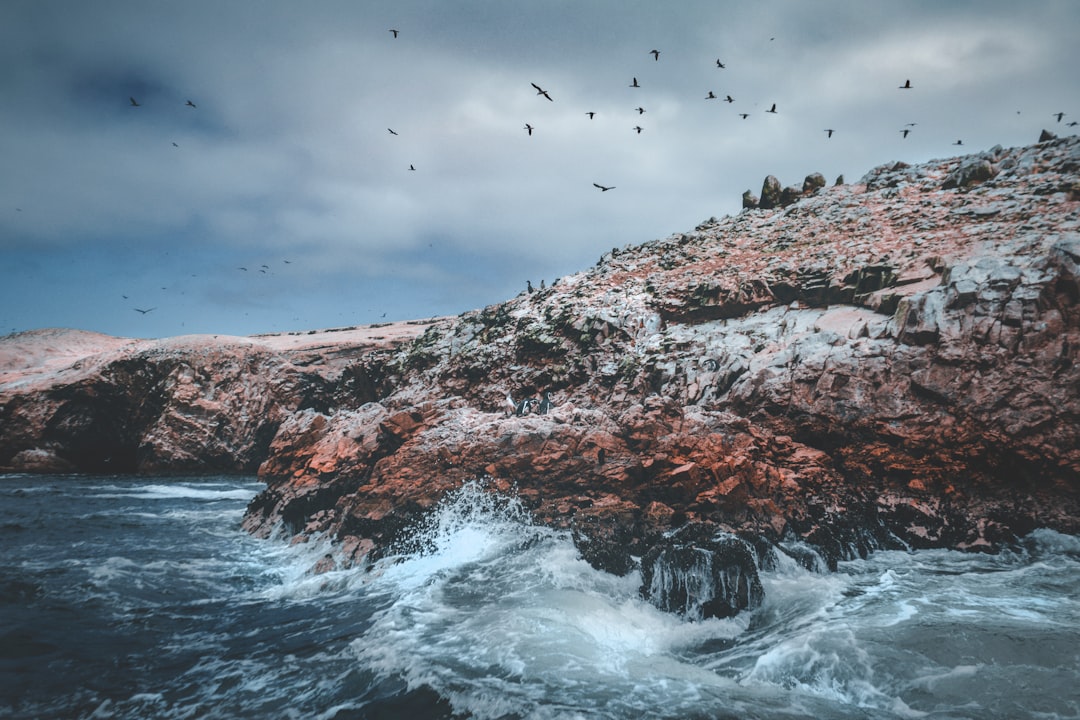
[{"x": 529, "y": 405}]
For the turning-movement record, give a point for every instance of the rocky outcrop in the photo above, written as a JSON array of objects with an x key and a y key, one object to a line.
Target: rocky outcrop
[
  {"x": 78, "y": 402},
  {"x": 888, "y": 363}
]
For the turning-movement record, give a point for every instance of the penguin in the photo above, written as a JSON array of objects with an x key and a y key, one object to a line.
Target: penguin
[{"x": 546, "y": 404}]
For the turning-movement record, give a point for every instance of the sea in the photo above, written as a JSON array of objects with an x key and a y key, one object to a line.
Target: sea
[{"x": 141, "y": 597}]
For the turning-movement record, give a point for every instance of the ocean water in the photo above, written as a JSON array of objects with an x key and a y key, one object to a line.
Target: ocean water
[{"x": 141, "y": 598}]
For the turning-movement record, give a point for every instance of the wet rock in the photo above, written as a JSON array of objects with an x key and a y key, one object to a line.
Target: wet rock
[{"x": 701, "y": 574}]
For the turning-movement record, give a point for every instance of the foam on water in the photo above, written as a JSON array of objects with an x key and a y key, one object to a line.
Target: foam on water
[{"x": 153, "y": 603}]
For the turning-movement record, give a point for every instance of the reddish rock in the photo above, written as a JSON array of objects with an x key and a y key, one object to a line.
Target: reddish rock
[{"x": 880, "y": 364}]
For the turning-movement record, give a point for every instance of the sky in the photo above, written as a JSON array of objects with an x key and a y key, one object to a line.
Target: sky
[{"x": 328, "y": 173}]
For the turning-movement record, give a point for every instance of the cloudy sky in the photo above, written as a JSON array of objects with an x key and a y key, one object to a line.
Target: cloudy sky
[{"x": 286, "y": 165}]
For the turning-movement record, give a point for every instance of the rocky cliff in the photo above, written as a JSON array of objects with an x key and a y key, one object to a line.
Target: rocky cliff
[{"x": 889, "y": 363}]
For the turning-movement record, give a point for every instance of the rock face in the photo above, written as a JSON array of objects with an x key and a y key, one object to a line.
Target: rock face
[{"x": 889, "y": 363}]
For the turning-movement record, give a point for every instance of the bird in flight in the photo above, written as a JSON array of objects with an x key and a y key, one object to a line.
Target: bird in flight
[
  {"x": 906, "y": 85},
  {"x": 958, "y": 142},
  {"x": 640, "y": 110},
  {"x": 175, "y": 145},
  {"x": 905, "y": 132},
  {"x": 590, "y": 114},
  {"x": 638, "y": 128},
  {"x": 634, "y": 84},
  {"x": 655, "y": 54},
  {"x": 744, "y": 115},
  {"x": 830, "y": 131},
  {"x": 729, "y": 99},
  {"x": 720, "y": 64},
  {"x": 1058, "y": 115},
  {"x": 391, "y": 131},
  {"x": 394, "y": 31},
  {"x": 133, "y": 103},
  {"x": 772, "y": 109},
  {"x": 1073, "y": 124},
  {"x": 541, "y": 91},
  {"x": 602, "y": 188},
  {"x": 710, "y": 96},
  {"x": 242, "y": 268},
  {"x": 529, "y": 128},
  {"x": 410, "y": 167},
  {"x": 140, "y": 310},
  {"x": 190, "y": 104}
]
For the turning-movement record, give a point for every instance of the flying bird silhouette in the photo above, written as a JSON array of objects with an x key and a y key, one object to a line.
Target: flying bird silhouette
[
  {"x": 638, "y": 128},
  {"x": 590, "y": 114},
  {"x": 529, "y": 128},
  {"x": 710, "y": 96},
  {"x": 905, "y": 132},
  {"x": 1058, "y": 115},
  {"x": 830, "y": 131},
  {"x": 655, "y": 54},
  {"x": 394, "y": 31},
  {"x": 640, "y": 110},
  {"x": 772, "y": 109},
  {"x": 958, "y": 142},
  {"x": 175, "y": 145},
  {"x": 410, "y": 167},
  {"x": 541, "y": 91},
  {"x": 190, "y": 104},
  {"x": 133, "y": 103},
  {"x": 634, "y": 84},
  {"x": 906, "y": 85},
  {"x": 140, "y": 310},
  {"x": 720, "y": 64},
  {"x": 391, "y": 131},
  {"x": 602, "y": 188},
  {"x": 729, "y": 99},
  {"x": 744, "y": 115}
]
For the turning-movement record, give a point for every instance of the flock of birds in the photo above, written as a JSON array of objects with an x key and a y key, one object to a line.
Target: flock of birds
[
  {"x": 545, "y": 94},
  {"x": 710, "y": 95}
]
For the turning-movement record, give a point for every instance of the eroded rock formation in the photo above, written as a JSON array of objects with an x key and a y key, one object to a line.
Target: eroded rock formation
[{"x": 889, "y": 363}]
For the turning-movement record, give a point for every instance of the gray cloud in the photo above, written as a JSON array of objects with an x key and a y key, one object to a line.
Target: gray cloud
[{"x": 288, "y": 154}]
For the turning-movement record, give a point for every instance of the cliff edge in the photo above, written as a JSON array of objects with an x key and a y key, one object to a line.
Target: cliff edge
[{"x": 889, "y": 363}]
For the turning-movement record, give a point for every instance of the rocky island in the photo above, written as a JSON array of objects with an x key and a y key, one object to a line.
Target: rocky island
[{"x": 890, "y": 363}]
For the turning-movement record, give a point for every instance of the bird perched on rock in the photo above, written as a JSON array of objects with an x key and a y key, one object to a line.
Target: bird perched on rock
[
  {"x": 541, "y": 91},
  {"x": 545, "y": 404}
]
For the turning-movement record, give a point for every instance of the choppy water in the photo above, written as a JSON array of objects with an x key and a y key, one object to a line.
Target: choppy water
[{"x": 135, "y": 598}]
